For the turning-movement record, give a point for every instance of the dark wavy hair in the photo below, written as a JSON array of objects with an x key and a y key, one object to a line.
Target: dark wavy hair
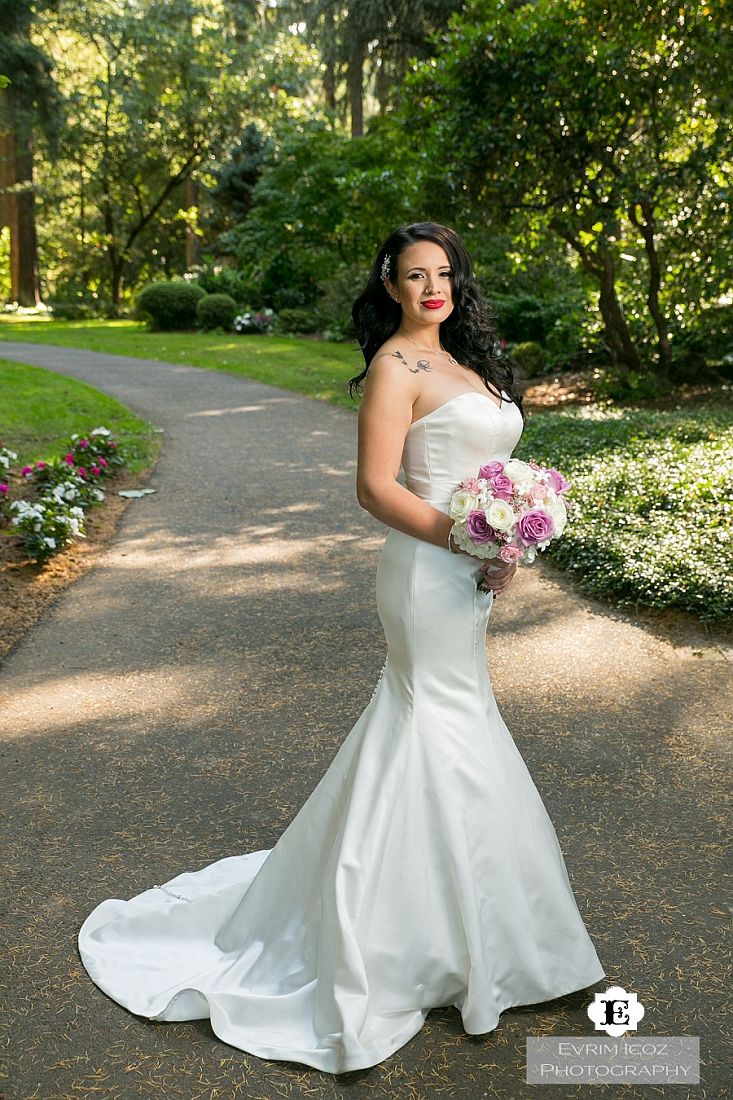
[{"x": 468, "y": 333}]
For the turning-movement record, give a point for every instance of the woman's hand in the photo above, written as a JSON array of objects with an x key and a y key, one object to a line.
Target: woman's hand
[{"x": 498, "y": 575}]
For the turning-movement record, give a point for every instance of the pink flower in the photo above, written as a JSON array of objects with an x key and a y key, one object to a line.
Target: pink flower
[
  {"x": 69, "y": 459},
  {"x": 535, "y": 526},
  {"x": 479, "y": 529},
  {"x": 96, "y": 471},
  {"x": 81, "y": 471},
  {"x": 102, "y": 461},
  {"x": 27, "y": 471},
  {"x": 502, "y": 486},
  {"x": 510, "y": 553},
  {"x": 83, "y": 442},
  {"x": 491, "y": 469},
  {"x": 4, "y": 487},
  {"x": 558, "y": 482},
  {"x": 472, "y": 484},
  {"x": 40, "y": 465},
  {"x": 113, "y": 445}
]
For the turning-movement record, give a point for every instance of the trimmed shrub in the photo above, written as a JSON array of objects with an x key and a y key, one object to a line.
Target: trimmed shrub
[
  {"x": 169, "y": 305},
  {"x": 530, "y": 358},
  {"x": 298, "y": 321},
  {"x": 216, "y": 311},
  {"x": 72, "y": 311}
]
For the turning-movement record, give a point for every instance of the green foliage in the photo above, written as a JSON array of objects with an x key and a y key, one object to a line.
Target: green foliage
[
  {"x": 222, "y": 280},
  {"x": 298, "y": 321},
  {"x": 530, "y": 357},
  {"x": 653, "y": 517},
  {"x": 169, "y": 305},
  {"x": 619, "y": 143},
  {"x": 216, "y": 311}
]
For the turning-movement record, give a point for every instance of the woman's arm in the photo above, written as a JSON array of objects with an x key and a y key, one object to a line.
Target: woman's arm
[{"x": 385, "y": 416}]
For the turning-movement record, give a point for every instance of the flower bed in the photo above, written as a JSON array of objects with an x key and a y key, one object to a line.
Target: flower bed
[{"x": 45, "y": 503}]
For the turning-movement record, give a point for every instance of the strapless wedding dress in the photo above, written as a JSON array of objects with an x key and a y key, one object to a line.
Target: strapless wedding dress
[{"x": 423, "y": 870}]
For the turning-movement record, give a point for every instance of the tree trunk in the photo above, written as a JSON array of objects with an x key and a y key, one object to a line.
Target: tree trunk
[
  {"x": 617, "y": 332},
  {"x": 19, "y": 213},
  {"x": 647, "y": 227},
  {"x": 193, "y": 245},
  {"x": 328, "y": 54},
  {"x": 355, "y": 81},
  {"x": 599, "y": 263}
]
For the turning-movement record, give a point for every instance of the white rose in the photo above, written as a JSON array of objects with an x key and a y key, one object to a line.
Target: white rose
[
  {"x": 500, "y": 515},
  {"x": 520, "y": 472},
  {"x": 556, "y": 508},
  {"x": 463, "y": 503}
]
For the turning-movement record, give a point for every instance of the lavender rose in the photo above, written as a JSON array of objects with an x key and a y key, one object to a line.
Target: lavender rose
[
  {"x": 557, "y": 481},
  {"x": 502, "y": 486},
  {"x": 491, "y": 469},
  {"x": 479, "y": 529},
  {"x": 535, "y": 526}
]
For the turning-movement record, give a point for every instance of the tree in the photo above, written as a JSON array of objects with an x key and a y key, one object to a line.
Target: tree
[
  {"x": 28, "y": 99},
  {"x": 614, "y": 134}
]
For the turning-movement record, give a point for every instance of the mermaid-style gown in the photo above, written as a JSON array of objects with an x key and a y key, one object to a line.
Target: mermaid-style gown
[{"x": 422, "y": 871}]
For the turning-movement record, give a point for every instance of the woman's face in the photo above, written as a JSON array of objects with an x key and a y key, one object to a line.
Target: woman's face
[{"x": 424, "y": 286}]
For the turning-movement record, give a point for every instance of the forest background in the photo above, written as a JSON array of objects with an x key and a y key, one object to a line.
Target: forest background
[{"x": 264, "y": 150}]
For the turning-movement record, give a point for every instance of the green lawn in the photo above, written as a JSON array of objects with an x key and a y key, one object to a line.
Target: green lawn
[
  {"x": 316, "y": 368},
  {"x": 39, "y": 410}
]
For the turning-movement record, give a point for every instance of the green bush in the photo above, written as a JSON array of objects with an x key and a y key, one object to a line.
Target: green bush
[
  {"x": 651, "y": 521},
  {"x": 71, "y": 310},
  {"x": 216, "y": 311},
  {"x": 298, "y": 321},
  {"x": 530, "y": 358},
  {"x": 169, "y": 305},
  {"x": 223, "y": 280}
]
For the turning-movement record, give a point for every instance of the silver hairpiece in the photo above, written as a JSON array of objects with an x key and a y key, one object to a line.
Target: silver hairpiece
[{"x": 385, "y": 267}]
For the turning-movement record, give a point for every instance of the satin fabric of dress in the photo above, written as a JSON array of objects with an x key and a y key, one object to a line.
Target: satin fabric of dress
[{"x": 422, "y": 871}]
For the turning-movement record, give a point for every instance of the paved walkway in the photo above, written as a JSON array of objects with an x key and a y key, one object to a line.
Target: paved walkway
[{"x": 181, "y": 701}]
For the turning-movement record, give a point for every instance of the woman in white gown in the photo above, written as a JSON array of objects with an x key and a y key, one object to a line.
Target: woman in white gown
[{"x": 423, "y": 870}]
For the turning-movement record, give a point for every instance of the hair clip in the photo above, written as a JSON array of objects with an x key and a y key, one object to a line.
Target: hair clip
[{"x": 385, "y": 267}]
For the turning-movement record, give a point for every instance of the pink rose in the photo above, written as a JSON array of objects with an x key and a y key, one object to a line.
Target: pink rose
[
  {"x": 102, "y": 461},
  {"x": 491, "y": 469},
  {"x": 535, "y": 526},
  {"x": 69, "y": 459},
  {"x": 40, "y": 465},
  {"x": 510, "y": 554},
  {"x": 26, "y": 471},
  {"x": 479, "y": 529},
  {"x": 4, "y": 487},
  {"x": 83, "y": 442},
  {"x": 96, "y": 471},
  {"x": 502, "y": 486},
  {"x": 81, "y": 471},
  {"x": 557, "y": 481}
]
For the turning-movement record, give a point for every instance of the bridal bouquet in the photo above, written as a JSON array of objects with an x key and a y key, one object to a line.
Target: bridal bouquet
[{"x": 509, "y": 511}]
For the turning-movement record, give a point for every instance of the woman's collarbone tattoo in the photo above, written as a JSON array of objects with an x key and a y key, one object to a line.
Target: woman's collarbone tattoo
[{"x": 422, "y": 364}]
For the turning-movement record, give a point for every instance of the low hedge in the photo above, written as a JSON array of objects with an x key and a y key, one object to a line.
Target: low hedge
[{"x": 169, "y": 305}]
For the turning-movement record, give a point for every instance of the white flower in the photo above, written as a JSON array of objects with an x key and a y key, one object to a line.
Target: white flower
[
  {"x": 556, "y": 508},
  {"x": 520, "y": 472},
  {"x": 101, "y": 431},
  {"x": 500, "y": 515},
  {"x": 50, "y": 542},
  {"x": 462, "y": 503}
]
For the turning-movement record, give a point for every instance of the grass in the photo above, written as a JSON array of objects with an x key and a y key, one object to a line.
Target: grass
[
  {"x": 316, "y": 368},
  {"x": 39, "y": 410}
]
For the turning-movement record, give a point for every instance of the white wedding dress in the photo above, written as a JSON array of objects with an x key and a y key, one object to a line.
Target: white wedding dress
[{"x": 422, "y": 871}]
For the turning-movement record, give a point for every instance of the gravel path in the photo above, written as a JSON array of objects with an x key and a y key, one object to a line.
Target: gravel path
[{"x": 182, "y": 700}]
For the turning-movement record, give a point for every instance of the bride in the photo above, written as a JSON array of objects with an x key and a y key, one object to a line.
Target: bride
[{"x": 423, "y": 871}]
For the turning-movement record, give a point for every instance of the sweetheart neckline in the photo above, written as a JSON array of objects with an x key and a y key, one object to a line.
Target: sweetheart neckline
[{"x": 466, "y": 393}]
